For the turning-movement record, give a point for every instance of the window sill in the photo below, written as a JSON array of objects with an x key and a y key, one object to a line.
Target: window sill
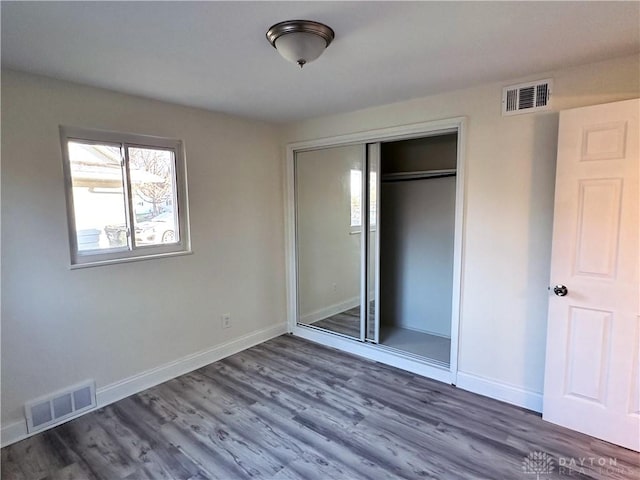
[
  {"x": 357, "y": 232},
  {"x": 100, "y": 263}
]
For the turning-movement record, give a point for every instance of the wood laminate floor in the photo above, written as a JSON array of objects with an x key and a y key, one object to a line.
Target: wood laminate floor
[
  {"x": 346, "y": 323},
  {"x": 291, "y": 409}
]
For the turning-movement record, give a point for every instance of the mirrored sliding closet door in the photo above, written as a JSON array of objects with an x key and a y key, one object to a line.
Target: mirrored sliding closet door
[{"x": 329, "y": 217}]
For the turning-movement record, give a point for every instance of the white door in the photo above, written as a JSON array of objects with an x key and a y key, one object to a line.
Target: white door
[{"x": 592, "y": 365}]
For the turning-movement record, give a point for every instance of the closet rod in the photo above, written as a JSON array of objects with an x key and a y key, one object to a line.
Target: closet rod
[{"x": 404, "y": 176}]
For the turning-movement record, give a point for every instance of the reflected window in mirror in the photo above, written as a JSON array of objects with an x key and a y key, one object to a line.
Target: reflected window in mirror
[{"x": 356, "y": 200}]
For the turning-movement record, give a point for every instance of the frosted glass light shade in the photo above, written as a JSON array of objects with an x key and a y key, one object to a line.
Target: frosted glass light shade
[
  {"x": 300, "y": 47},
  {"x": 300, "y": 41}
]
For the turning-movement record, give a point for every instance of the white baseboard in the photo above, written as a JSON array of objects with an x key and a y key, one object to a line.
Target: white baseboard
[
  {"x": 16, "y": 431},
  {"x": 422, "y": 330},
  {"x": 500, "y": 391},
  {"x": 329, "y": 311}
]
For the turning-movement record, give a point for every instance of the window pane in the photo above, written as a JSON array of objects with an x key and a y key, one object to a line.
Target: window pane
[
  {"x": 356, "y": 198},
  {"x": 98, "y": 196},
  {"x": 152, "y": 173}
]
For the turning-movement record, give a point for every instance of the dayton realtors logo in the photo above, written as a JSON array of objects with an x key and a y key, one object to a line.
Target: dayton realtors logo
[
  {"x": 541, "y": 464},
  {"x": 538, "y": 463}
]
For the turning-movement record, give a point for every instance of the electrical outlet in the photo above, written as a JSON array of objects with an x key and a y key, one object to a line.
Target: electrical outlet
[
  {"x": 226, "y": 320},
  {"x": 334, "y": 287}
]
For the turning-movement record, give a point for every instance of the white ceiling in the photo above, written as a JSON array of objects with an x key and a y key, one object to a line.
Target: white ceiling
[{"x": 215, "y": 55}]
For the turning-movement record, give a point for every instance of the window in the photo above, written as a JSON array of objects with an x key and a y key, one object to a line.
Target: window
[
  {"x": 356, "y": 200},
  {"x": 126, "y": 196}
]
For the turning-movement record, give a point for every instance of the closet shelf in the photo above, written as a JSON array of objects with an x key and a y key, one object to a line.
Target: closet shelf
[{"x": 417, "y": 175}]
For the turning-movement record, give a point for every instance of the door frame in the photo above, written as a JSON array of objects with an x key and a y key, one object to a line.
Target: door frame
[{"x": 408, "y": 362}]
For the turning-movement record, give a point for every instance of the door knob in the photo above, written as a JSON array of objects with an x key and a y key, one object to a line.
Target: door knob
[{"x": 560, "y": 290}]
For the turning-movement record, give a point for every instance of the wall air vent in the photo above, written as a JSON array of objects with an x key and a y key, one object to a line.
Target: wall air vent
[
  {"x": 526, "y": 97},
  {"x": 60, "y": 406}
]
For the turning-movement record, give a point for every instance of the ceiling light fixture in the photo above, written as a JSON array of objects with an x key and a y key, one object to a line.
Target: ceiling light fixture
[{"x": 300, "y": 41}]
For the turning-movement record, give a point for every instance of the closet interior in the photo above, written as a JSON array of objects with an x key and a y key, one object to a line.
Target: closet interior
[
  {"x": 374, "y": 243},
  {"x": 416, "y": 235}
]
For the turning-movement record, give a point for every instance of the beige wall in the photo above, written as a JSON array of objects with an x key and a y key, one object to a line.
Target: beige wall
[
  {"x": 509, "y": 207},
  {"x": 61, "y": 326}
]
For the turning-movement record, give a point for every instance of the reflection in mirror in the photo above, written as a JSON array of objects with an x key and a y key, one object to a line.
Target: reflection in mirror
[
  {"x": 328, "y": 201},
  {"x": 372, "y": 326}
]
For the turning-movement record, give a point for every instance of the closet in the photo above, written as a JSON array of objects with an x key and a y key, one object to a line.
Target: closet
[
  {"x": 417, "y": 213},
  {"x": 375, "y": 237}
]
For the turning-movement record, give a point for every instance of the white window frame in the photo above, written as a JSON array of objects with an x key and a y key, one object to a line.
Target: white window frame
[{"x": 131, "y": 252}]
